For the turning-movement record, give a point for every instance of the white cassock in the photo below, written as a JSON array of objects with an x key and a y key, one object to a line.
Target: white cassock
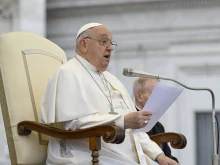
[{"x": 74, "y": 98}]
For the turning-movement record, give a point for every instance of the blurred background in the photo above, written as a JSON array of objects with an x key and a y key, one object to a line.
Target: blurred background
[{"x": 176, "y": 38}]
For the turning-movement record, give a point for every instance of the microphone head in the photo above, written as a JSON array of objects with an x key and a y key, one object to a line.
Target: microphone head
[{"x": 127, "y": 71}]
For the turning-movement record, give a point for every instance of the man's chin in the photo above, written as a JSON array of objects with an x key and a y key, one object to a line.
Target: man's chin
[{"x": 102, "y": 68}]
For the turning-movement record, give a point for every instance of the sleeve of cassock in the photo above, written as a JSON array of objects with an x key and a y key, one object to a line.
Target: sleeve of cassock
[
  {"x": 149, "y": 147},
  {"x": 94, "y": 120},
  {"x": 64, "y": 99}
]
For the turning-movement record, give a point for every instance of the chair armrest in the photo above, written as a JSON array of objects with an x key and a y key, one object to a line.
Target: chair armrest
[
  {"x": 177, "y": 140},
  {"x": 109, "y": 133}
]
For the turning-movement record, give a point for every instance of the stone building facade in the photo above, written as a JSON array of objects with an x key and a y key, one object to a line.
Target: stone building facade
[{"x": 176, "y": 38}]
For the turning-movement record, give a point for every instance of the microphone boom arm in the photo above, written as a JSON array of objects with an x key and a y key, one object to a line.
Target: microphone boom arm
[
  {"x": 215, "y": 154},
  {"x": 135, "y": 73},
  {"x": 191, "y": 88}
]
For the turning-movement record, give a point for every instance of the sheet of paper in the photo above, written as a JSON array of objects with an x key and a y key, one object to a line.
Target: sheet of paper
[{"x": 161, "y": 98}]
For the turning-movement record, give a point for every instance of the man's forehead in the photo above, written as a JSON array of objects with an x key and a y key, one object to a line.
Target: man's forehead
[
  {"x": 150, "y": 83},
  {"x": 103, "y": 35},
  {"x": 101, "y": 31}
]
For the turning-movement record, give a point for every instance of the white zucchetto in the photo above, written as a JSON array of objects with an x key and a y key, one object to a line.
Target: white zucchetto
[{"x": 87, "y": 26}]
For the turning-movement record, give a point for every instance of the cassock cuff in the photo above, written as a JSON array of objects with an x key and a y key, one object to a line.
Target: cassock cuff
[
  {"x": 120, "y": 121},
  {"x": 150, "y": 148},
  {"x": 155, "y": 159}
]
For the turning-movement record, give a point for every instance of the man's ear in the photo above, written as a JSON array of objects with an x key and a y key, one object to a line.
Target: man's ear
[
  {"x": 83, "y": 46},
  {"x": 139, "y": 97}
]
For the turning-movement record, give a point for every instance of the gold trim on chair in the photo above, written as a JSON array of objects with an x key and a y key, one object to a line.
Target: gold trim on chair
[
  {"x": 7, "y": 123},
  {"x": 37, "y": 51},
  {"x": 40, "y": 52}
]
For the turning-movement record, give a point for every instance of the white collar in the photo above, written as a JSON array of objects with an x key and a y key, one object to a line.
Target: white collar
[
  {"x": 138, "y": 107},
  {"x": 88, "y": 65}
]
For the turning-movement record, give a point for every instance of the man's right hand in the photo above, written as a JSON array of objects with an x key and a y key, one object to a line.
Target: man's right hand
[{"x": 136, "y": 120}]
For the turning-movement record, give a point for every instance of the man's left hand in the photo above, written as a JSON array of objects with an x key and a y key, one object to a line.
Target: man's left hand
[{"x": 164, "y": 160}]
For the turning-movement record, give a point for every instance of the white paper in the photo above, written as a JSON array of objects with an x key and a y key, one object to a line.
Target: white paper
[{"x": 161, "y": 98}]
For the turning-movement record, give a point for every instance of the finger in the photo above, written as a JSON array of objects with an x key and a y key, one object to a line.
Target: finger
[
  {"x": 146, "y": 118},
  {"x": 144, "y": 124},
  {"x": 146, "y": 113}
]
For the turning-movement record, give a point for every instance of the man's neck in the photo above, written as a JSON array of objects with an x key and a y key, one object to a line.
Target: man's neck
[{"x": 138, "y": 107}]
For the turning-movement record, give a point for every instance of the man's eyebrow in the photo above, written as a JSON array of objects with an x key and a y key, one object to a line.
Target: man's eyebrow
[{"x": 103, "y": 35}]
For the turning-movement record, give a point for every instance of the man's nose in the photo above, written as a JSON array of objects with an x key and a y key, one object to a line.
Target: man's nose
[{"x": 109, "y": 47}]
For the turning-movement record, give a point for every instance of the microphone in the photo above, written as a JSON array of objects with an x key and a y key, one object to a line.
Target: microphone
[
  {"x": 129, "y": 72},
  {"x": 136, "y": 73}
]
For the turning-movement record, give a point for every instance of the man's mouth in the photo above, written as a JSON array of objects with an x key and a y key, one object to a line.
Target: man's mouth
[{"x": 107, "y": 56}]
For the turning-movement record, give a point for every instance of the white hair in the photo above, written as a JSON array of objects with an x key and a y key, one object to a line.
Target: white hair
[
  {"x": 81, "y": 36},
  {"x": 140, "y": 85}
]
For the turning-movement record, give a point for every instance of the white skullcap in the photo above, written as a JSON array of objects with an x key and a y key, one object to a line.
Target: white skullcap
[{"x": 87, "y": 26}]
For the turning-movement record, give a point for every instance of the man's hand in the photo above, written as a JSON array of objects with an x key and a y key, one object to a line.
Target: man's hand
[
  {"x": 136, "y": 120},
  {"x": 164, "y": 160}
]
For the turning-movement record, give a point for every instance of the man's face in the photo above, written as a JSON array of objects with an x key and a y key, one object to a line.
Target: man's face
[
  {"x": 148, "y": 88},
  {"x": 144, "y": 97},
  {"x": 98, "y": 54}
]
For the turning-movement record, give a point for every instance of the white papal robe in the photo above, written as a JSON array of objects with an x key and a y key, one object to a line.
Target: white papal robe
[{"x": 79, "y": 97}]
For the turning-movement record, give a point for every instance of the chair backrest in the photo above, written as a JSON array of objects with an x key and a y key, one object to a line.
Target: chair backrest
[{"x": 26, "y": 63}]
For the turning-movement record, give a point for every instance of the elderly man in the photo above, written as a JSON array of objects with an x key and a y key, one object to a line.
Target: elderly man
[
  {"x": 81, "y": 94},
  {"x": 142, "y": 89}
]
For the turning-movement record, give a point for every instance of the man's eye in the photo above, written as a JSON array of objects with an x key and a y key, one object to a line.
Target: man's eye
[{"x": 104, "y": 42}]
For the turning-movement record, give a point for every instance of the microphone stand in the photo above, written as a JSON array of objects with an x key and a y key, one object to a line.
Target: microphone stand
[
  {"x": 215, "y": 156},
  {"x": 134, "y": 73}
]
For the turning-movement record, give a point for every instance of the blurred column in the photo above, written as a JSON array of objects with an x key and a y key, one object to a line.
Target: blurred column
[
  {"x": 30, "y": 17},
  {"x": 19, "y": 15},
  {"x": 6, "y": 8},
  {"x": 3, "y": 155}
]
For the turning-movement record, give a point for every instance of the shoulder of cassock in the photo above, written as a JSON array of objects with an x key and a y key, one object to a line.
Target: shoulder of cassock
[{"x": 64, "y": 97}]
